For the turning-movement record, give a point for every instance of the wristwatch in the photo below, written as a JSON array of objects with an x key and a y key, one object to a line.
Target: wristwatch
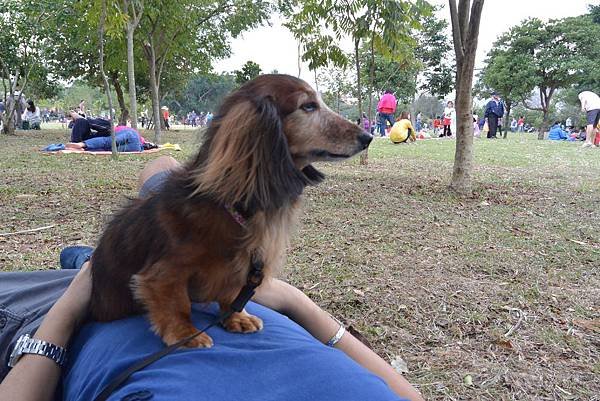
[{"x": 27, "y": 345}]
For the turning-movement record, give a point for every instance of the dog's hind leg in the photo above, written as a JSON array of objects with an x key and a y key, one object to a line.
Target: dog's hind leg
[
  {"x": 165, "y": 297},
  {"x": 241, "y": 322}
]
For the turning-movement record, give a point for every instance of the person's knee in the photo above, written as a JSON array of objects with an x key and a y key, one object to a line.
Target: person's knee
[{"x": 162, "y": 163}]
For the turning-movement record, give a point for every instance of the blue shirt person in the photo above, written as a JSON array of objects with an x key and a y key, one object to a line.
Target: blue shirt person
[{"x": 494, "y": 110}]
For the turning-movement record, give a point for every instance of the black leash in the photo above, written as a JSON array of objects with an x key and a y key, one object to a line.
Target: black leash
[{"x": 254, "y": 279}]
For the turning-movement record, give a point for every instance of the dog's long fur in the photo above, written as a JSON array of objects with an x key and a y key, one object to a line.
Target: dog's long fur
[{"x": 182, "y": 243}]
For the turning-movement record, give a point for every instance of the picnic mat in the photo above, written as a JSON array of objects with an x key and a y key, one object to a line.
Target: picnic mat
[{"x": 166, "y": 146}]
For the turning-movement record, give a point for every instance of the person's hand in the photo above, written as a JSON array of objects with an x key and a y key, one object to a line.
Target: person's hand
[{"x": 75, "y": 300}]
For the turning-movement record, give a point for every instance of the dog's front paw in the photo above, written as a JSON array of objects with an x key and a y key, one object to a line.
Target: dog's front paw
[
  {"x": 200, "y": 341},
  {"x": 243, "y": 322}
]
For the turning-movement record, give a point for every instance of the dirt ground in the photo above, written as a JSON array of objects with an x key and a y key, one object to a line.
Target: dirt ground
[{"x": 491, "y": 297}]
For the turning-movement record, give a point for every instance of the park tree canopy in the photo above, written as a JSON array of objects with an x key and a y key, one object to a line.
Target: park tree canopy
[
  {"x": 24, "y": 49},
  {"x": 544, "y": 56}
]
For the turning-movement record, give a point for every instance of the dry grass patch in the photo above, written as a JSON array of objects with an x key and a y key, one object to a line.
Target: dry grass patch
[{"x": 493, "y": 297}]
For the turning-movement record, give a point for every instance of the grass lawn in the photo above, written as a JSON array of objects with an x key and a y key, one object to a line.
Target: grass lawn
[{"x": 492, "y": 297}]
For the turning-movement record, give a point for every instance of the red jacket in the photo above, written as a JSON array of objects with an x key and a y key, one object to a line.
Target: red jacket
[{"x": 387, "y": 104}]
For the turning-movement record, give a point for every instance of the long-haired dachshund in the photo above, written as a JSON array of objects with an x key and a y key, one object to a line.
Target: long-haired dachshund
[{"x": 185, "y": 241}]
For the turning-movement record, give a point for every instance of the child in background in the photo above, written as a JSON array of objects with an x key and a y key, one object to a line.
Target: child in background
[
  {"x": 476, "y": 131},
  {"x": 403, "y": 131}
]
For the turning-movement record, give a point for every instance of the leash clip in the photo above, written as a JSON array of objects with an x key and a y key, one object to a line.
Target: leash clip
[{"x": 255, "y": 278}]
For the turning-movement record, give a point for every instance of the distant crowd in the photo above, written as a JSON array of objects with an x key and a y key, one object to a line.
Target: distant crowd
[{"x": 400, "y": 129}]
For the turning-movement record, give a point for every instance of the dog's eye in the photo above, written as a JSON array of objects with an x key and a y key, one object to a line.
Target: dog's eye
[{"x": 309, "y": 107}]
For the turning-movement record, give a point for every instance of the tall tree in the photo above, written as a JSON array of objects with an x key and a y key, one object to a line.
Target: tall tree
[
  {"x": 320, "y": 25},
  {"x": 508, "y": 74},
  {"x": 134, "y": 10},
  {"x": 76, "y": 38},
  {"x": 465, "y": 33},
  {"x": 201, "y": 35},
  {"x": 556, "y": 54},
  {"x": 433, "y": 50},
  {"x": 113, "y": 143},
  {"x": 25, "y": 39},
  {"x": 249, "y": 71}
]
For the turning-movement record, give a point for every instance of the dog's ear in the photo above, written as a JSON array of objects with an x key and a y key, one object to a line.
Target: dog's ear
[{"x": 248, "y": 161}]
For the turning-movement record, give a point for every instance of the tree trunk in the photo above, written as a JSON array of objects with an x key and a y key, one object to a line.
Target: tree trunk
[
  {"x": 299, "y": 58},
  {"x": 11, "y": 117},
  {"x": 131, "y": 75},
  {"x": 507, "y": 119},
  {"x": 8, "y": 122},
  {"x": 545, "y": 123},
  {"x": 151, "y": 57},
  {"x": 545, "y": 98},
  {"x": 114, "y": 77},
  {"x": 463, "y": 158},
  {"x": 465, "y": 32},
  {"x": 113, "y": 144},
  {"x": 371, "y": 80},
  {"x": 364, "y": 156}
]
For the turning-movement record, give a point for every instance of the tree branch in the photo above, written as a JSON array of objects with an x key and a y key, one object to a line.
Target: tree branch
[
  {"x": 457, "y": 39},
  {"x": 463, "y": 20},
  {"x": 474, "y": 23}
]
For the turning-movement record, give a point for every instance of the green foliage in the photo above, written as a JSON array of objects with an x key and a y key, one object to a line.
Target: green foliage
[
  {"x": 320, "y": 25},
  {"x": 543, "y": 56},
  {"x": 400, "y": 77},
  {"x": 339, "y": 87},
  {"x": 26, "y": 29},
  {"x": 249, "y": 71},
  {"x": 202, "y": 93},
  {"x": 434, "y": 51}
]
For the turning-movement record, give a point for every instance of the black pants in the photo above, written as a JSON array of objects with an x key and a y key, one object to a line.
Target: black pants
[
  {"x": 25, "y": 298},
  {"x": 492, "y": 125},
  {"x": 447, "y": 131},
  {"x": 81, "y": 130}
]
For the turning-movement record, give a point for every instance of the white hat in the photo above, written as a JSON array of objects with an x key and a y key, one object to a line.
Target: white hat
[{"x": 164, "y": 108}]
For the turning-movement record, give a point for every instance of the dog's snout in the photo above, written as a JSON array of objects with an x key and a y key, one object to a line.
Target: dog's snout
[{"x": 365, "y": 139}]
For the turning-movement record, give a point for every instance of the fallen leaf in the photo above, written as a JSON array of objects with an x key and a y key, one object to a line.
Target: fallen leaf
[
  {"x": 400, "y": 365},
  {"x": 593, "y": 325},
  {"x": 503, "y": 343},
  {"x": 468, "y": 380}
]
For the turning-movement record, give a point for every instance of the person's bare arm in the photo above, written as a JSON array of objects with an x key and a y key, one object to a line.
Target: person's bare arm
[
  {"x": 292, "y": 302},
  {"x": 35, "y": 377}
]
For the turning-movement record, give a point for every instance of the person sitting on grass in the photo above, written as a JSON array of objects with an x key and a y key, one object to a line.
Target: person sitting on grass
[
  {"x": 127, "y": 139},
  {"x": 403, "y": 131},
  {"x": 556, "y": 133},
  {"x": 31, "y": 117},
  {"x": 305, "y": 356}
]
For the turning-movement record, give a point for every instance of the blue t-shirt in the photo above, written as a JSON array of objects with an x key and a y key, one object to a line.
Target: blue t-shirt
[{"x": 282, "y": 362}]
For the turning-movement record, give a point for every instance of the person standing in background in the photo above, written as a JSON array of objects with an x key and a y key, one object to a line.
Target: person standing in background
[
  {"x": 590, "y": 103},
  {"x": 520, "y": 124},
  {"x": 165, "y": 115},
  {"x": 386, "y": 108},
  {"x": 494, "y": 111},
  {"x": 449, "y": 115}
]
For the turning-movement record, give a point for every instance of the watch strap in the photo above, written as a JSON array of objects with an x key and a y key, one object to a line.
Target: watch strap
[{"x": 27, "y": 345}]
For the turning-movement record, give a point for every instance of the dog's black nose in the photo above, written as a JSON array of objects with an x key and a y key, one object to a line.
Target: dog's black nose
[{"x": 365, "y": 139}]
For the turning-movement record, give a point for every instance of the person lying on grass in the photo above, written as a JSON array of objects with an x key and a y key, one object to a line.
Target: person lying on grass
[
  {"x": 286, "y": 360},
  {"x": 127, "y": 139}
]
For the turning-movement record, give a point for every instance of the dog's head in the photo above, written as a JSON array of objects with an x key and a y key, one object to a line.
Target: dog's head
[{"x": 260, "y": 147}]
